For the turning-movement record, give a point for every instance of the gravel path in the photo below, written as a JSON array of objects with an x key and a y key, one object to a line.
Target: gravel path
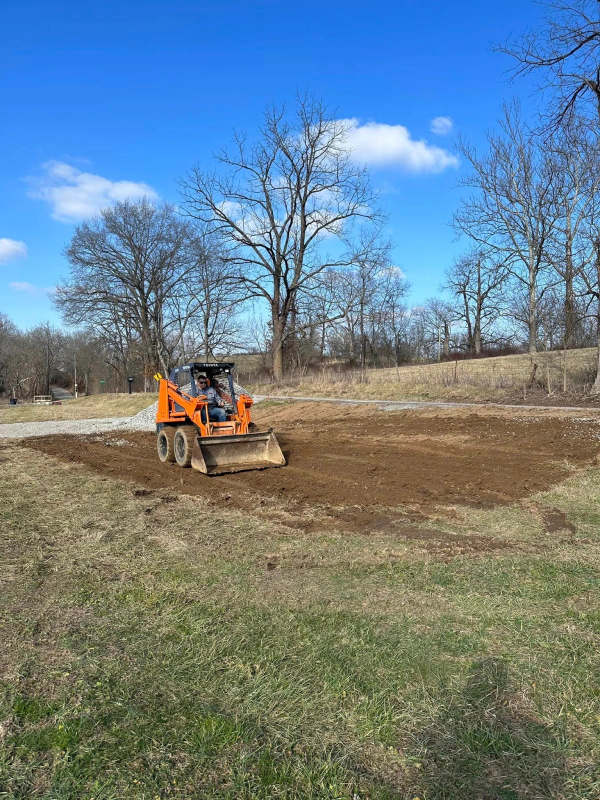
[
  {"x": 145, "y": 420},
  {"x": 396, "y": 405},
  {"x": 23, "y": 430}
]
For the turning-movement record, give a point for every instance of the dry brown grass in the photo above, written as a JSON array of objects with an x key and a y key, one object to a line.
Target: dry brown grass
[
  {"x": 479, "y": 380},
  {"x": 94, "y": 407}
]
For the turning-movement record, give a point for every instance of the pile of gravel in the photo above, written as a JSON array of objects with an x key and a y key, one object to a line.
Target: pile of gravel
[{"x": 145, "y": 420}]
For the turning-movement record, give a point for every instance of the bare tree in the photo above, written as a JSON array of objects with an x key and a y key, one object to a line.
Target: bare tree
[
  {"x": 367, "y": 284},
  {"x": 325, "y": 305},
  {"x": 333, "y": 297},
  {"x": 205, "y": 309},
  {"x": 359, "y": 306},
  {"x": 279, "y": 202},
  {"x": 565, "y": 52},
  {"x": 127, "y": 264},
  {"x": 84, "y": 359},
  {"x": 578, "y": 180},
  {"x": 393, "y": 312},
  {"x": 438, "y": 317},
  {"x": 513, "y": 209},
  {"x": 477, "y": 280}
]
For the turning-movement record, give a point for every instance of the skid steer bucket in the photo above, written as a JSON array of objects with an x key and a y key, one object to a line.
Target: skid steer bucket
[{"x": 215, "y": 455}]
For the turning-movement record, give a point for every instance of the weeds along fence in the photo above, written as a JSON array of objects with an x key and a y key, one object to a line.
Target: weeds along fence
[{"x": 552, "y": 371}]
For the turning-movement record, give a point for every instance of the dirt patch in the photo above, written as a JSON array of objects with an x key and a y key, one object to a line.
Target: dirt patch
[
  {"x": 347, "y": 465},
  {"x": 556, "y": 520},
  {"x": 442, "y": 542}
]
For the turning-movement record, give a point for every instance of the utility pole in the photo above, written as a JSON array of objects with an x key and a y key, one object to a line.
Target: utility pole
[
  {"x": 75, "y": 380},
  {"x": 47, "y": 368}
]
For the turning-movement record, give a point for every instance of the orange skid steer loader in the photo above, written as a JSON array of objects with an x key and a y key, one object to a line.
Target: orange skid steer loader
[{"x": 187, "y": 434}]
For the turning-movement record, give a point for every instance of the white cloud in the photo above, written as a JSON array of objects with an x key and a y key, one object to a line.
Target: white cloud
[
  {"x": 10, "y": 248},
  {"x": 379, "y": 144},
  {"x": 395, "y": 271},
  {"x": 441, "y": 126},
  {"x": 74, "y": 195},
  {"x": 29, "y": 288},
  {"x": 231, "y": 208}
]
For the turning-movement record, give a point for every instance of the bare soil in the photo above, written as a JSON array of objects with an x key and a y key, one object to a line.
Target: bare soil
[
  {"x": 354, "y": 468},
  {"x": 556, "y": 520}
]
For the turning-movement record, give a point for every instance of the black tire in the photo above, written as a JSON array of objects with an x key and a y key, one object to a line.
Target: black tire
[
  {"x": 183, "y": 443},
  {"x": 165, "y": 445}
]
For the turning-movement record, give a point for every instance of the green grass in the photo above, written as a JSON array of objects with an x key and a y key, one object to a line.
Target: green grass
[
  {"x": 93, "y": 407},
  {"x": 149, "y": 652}
]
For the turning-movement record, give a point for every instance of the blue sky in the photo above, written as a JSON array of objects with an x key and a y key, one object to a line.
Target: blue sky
[{"x": 97, "y": 98}]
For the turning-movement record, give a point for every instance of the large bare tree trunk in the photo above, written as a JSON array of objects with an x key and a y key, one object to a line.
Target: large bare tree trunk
[
  {"x": 277, "y": 348},
  {"x": 596, "y": 386},
  {"x": 570, "y": 321},
  {"x": 477, "y": 336},
  {"x": 532, "y": 314}
]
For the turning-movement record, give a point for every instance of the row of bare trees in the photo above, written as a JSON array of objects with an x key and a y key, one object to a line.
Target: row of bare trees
[
  {"x": 531, "y": 209},
  {"x": 151, "y": 286},
  {"x": 286, "y": 232},
  {"x": 34, "y": 360},
  {"x": 533, "y": 218}
]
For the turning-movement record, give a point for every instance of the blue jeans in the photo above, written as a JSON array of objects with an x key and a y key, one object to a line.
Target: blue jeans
[{"x": 215, "y": 414}]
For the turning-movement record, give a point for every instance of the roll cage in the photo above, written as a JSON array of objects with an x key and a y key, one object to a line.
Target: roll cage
[{"x": 210, "y": 369}]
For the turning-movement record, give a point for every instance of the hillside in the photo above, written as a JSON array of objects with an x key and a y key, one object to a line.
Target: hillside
[{"x": 543, "y": 377}]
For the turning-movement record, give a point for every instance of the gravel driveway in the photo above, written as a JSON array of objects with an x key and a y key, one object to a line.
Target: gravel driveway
[
  {"x": 23, "y": 430},
  {"x": 144, "y": 421}
]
